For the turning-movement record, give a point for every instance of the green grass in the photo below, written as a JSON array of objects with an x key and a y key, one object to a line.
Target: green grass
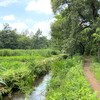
[
  {"x": 95, "y": 67},
  {"x": 68, "y": 81},
  {"x": 38, "y": 52},
  {"x": 20, "y": 68},
  {"x": 15, "y": 72}
]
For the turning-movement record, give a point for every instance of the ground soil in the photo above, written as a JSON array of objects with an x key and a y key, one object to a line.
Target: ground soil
[{"x": 90, "y": 76}]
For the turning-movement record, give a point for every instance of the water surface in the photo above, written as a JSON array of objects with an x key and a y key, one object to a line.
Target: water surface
[
  {"x": 40, "y": 90},
  {"x": 38, "y": 93}
]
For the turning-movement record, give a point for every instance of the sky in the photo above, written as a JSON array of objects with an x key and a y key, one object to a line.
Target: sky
[{"x": 27, "y": 14}]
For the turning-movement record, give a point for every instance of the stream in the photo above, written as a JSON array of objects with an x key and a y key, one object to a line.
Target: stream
[{"x": 38, "y": 93}]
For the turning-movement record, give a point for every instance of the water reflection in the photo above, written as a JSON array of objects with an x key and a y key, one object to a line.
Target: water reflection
[
  {"x": 40, "y": 91},
  {"x": 38, "y": 94}
]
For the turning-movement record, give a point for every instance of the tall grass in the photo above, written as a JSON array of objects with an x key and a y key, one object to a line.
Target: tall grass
[
  {"x": 20, "y": 68},
  {"x": 95, "y": 67},
  {"x": 68, "y": 81},
  {"x": 42, "y": 52}
]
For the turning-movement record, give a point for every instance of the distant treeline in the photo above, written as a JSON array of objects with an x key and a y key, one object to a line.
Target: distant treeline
[{"x": 10, "y": 39}]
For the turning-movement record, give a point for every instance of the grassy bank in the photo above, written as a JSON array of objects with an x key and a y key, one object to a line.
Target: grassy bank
[
  {"x": 95, "y": 67},
  {"x": 68, "y": 81},
  {"x": 20, "y": 68}
]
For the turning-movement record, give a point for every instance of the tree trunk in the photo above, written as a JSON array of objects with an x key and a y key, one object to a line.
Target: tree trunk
[{"x": 81, "y": 47}]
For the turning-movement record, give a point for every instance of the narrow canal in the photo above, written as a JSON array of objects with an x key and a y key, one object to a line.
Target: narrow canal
[{"x": 38, "y": 93}]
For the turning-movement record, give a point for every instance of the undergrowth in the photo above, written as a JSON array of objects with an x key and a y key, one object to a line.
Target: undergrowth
[
  {"x": 20, "y": 68},
  {"x": 95, "y": 67},
  {"x": 68, "y": 81}
]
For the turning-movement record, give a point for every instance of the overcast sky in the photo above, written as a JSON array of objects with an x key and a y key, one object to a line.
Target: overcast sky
[{"x": 26, "y": 14}]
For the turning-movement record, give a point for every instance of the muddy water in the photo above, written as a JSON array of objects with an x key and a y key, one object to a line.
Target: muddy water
[{"x": 38, "y": 94}]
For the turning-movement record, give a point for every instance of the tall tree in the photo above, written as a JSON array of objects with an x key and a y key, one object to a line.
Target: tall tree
[
  {"x": 24, "y": 42},
  {"x": 8, "y": 38},
  {"x": 78, "y": 17},
  {"x": 39, "y": 41}
]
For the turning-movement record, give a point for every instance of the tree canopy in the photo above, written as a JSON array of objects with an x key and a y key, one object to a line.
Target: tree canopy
[
  {"x": 10, "y": 39},
  {"x": 75, "y": 25}
]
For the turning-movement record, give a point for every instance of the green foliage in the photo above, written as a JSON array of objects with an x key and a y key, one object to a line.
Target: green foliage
[
  {"x": 0, "y": 96},
  {"x": 17, "y": 75},
  {"x": 24, "y": 42},
  {"x": 75, "y": 24},
  {"x": 10, "y": 39},
  {"x": 2, "y": 82},
  {"x": 97, "y": 35},
  {"x": 68, "y": 81},
  {"x": 38, "y": 41},
  {"x": 19, "y": 69},
  {"x": 18, "y": 52},
  {"x": 95, "y": 67},
  {"x": 96, "y": 40}
]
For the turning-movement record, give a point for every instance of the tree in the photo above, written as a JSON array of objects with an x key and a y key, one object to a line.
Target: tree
[
  {"x": 39, "y": 41},
  {"x": 76, "y": 16},
  {"x": 96, "y": 36},
  {"x": 24, "y": 42},
  {"x": 8, "y": 38}
]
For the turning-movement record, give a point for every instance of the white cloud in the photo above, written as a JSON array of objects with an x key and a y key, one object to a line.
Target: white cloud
[
  {"x": 52, "y": 20},
  {"x": 8, "y": 18},
  {"x": 1, "y": 26},
  {"x": 44, "y": 26},
  {"x": 20, "y": 26},
  {"x": 4, "y": 3},
  {"x": 40, "y": 6}
]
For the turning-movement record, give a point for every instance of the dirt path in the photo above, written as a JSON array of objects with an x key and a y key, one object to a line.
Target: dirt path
[{"x": 90, "y": 76}]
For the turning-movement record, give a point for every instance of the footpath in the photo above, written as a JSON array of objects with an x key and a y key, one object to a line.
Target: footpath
[{"x": 90, "y": 76}]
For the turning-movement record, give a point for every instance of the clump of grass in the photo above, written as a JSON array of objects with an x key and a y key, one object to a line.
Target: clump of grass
[
  {"x": 95, "y": 67},
  {"x": 19, "y": 78}
]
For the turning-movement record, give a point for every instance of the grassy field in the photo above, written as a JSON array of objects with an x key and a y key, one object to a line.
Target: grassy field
[{"x": 20, "y": 68}]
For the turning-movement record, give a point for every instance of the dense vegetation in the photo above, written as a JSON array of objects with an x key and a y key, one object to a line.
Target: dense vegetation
[
  {"x": 10, "y": 39},
  {"x": 68, "y": 81},
  {"x": 76, "y": 28},
  {"x": 95, "y": 67},
  {"x": 19, "y": 69}
]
